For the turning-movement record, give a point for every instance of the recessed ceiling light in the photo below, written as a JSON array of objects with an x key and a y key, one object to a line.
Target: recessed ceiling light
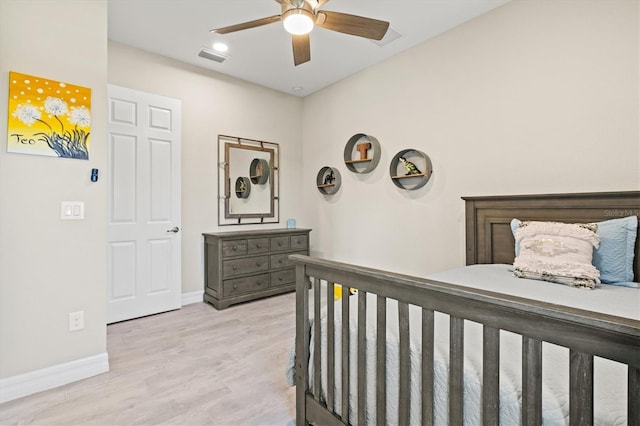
[
  {"x": 220, "y": 47},
  {"x": 297, "y": 88}
]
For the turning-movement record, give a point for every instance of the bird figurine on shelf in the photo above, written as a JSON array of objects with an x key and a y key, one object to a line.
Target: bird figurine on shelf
[
  {"x": 411, "y": 168},
  {"x": 328, "y": 179}
]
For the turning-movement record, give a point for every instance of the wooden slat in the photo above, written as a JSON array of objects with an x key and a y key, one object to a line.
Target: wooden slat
[
  {"x": 362, "y": 356},
  {"x": 381, "y": 361},
  {"x": 318, "y": 415},
  {"x": 331, "y": 358},
  {"x": 317, "y": 351},
  {"x": 302, "y": 344},
  {"x": 633, "y": 408},
  {"x": 404, "y": 393},
  {"x": 427, "y": 366},
  {"x": 490, "y": 376},
  {"x": 531, "y": 381},
  {"x": 580, "y": 388},
  {"x": 345, "y": 354},
  {"x": 456, "y": 366}
]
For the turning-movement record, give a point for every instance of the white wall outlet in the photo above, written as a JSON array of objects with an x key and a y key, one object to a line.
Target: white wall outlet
[
  {"x": 72, "y": 210},
  {"x": 76, "y": 321}
]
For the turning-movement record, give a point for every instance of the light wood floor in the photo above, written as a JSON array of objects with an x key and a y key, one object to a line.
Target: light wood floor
[{"x": 194, "y": 366}]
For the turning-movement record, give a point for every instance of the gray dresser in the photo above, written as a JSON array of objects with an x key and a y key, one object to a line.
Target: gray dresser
[{"x": 247, "y": 265}]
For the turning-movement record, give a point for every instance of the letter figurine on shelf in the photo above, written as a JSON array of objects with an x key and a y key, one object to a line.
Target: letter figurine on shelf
[{"x": 362, "y": 148}]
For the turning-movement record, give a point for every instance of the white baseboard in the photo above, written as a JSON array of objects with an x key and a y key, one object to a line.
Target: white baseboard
[
  {"x": 47, "y": 378},
  {"x": 193, "y": 297}
]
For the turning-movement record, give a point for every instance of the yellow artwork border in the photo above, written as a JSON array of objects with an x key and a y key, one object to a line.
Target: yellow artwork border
[{"x": 48, "y": 117}]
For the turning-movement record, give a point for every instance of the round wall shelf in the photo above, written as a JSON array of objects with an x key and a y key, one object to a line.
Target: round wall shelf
[
  {"x": 243, "y": 187},
  {"x": 410, "y": 169},
  {"x": 362, "y": 153},
  {"x": 328, "y": 180},
  {"x": 259, "y": 171}
]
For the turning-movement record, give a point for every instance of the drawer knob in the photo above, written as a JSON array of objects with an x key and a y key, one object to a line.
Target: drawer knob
[
  {"x": 279, "y": 260},
  {"x": 234, "y": 267},
  {"x": 235, "y": 286},
  {"x": 279, "y": 243},
  {"x": 279, "y": 278},
  {"x": 259, "y": 282},
  {"x": 297, "y": 241},
  {"x": 234, "y": 248},
  {"x": 258, "y": 245},
  {"x": 258, "y": 264}
]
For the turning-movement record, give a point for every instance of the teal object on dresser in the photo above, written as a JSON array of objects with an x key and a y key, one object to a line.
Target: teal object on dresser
[{"x": 247, "y": 265}]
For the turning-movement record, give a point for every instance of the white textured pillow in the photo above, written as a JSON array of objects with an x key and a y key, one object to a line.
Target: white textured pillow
[{"x": 557, "y": 252}]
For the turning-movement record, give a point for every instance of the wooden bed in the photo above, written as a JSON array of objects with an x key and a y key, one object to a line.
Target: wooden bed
[{"x": 488, "y": 240}]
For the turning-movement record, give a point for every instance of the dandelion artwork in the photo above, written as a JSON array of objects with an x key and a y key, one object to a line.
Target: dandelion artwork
[{"x": 48, "y": 117}]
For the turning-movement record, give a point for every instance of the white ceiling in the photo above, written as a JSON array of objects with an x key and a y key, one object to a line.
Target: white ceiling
[{"x": 180, "y": 28}]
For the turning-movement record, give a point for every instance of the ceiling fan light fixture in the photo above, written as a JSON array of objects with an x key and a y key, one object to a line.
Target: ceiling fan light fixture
[{"x": 298, "y": 21}]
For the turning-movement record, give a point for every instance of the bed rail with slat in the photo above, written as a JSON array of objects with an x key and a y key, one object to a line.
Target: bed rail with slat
[{"x": 586, "y": 334}]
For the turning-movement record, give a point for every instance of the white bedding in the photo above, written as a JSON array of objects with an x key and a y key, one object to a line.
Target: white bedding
[{"x": 610, "y": 377}]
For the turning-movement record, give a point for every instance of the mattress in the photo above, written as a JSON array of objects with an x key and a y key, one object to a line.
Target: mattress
[
  {"x": 610, "y": 377},
  {"x": 606, "y": 299}
]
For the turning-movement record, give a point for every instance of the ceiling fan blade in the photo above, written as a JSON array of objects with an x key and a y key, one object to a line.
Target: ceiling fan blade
[
  {"x": 352, "y": 24},
  {"x": 301, "y": 49},
  {"x": 247, "y": 25}
]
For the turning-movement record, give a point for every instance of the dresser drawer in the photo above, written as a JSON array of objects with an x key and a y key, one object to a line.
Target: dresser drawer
[
  {"x": 257, "y": 245},
  {"x": 287, "y": 276},
  {"x": 247, "y": 265},
  {"x": 234, "y": 248},
  {"x": 279, "y": 243},
  {"x": 246, "y": 284},
  {"x": 299, "y": 242},
  {"x": 282, "y": 260}
]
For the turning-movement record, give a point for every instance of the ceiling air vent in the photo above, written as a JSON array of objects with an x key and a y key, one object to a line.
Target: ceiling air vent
[{"x": 211, "y": 55}]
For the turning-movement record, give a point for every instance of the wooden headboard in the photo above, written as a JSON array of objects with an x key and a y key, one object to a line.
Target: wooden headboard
[{"x": 488, "y": 234}]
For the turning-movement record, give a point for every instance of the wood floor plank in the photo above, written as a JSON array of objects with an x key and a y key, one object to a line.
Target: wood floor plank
[{"x": 193, "y": 366}]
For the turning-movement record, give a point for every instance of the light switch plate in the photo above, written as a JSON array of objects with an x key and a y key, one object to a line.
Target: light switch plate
[{"x": 72, "y": 210}]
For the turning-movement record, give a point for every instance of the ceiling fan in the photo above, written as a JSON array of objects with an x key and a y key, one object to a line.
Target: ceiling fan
[{"x": 299, "y": 18}]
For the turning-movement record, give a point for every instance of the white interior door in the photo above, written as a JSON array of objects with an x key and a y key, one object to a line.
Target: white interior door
[{"x": 144, "y": 204}]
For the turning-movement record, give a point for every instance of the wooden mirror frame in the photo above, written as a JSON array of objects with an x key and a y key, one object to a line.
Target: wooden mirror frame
[{"x": 233, "y": 210}]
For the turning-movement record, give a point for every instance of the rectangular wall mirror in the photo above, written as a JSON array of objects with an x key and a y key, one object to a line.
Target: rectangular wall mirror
[{"x": 248, "y": 184}]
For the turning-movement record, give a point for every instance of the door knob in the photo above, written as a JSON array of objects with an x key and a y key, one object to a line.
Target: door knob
[{"x": 175, "y": 229}]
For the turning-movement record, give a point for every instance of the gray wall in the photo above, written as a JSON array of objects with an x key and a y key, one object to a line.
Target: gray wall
[
  {"x": 49, "y": 267},
  {"x": 533, "y": 97}
]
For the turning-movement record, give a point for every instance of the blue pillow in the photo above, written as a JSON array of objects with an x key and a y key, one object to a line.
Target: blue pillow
[
  {"x": 614, "y": 257},
  {"x": 515, "y": 224}
]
